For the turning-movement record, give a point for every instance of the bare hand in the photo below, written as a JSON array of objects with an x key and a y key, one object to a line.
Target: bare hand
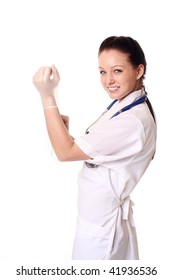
[{"x": 66, "y": 121}]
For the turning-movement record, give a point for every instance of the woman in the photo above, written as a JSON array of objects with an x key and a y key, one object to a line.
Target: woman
[{"x": 116, "y": 150}]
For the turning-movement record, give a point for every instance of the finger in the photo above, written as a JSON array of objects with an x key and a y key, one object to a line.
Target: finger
[
  {"x": 64, "y": 117},
  {"x": 65, "y": 120},
  {"x": 38, "y": 74},
  {"x": 47, "y": 71},
  {"x": 55, "y": 72}
]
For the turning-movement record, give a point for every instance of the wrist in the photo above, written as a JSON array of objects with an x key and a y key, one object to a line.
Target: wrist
[{"x": 48, "y": 101}]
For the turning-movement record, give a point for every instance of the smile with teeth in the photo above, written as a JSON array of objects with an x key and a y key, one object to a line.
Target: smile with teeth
[{"x": 113, "y": 89}]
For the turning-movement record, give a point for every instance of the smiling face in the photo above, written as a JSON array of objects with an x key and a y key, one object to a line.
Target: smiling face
[{"x": 118, "y": 76}]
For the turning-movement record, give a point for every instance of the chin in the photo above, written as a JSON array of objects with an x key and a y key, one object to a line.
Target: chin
[{"x": 113, "y": 95}]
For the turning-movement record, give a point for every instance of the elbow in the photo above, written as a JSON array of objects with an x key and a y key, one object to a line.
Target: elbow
[{"x": 62, "y": 157}]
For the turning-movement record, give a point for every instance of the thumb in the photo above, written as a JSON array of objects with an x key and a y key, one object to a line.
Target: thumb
[{"x": 55, "y": 72}]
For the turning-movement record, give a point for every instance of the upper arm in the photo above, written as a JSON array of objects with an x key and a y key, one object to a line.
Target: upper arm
[{"x": 73, "y": 154}]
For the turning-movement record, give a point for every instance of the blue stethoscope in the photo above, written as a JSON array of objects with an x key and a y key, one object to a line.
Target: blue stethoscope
[
  {"x": 140, "y": 100},
  {"x": 134, "y": 103}
]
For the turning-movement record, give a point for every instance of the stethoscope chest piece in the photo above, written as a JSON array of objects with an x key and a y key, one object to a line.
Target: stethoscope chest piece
[{"x": 91, "y": 165}]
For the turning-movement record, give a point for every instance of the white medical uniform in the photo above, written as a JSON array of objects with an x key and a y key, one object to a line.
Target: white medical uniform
[{"x": 122, "y": 147}]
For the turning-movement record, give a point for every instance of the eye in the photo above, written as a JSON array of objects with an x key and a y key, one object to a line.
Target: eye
[
  {"x": 118, "y": 71},
  {"x": 102, "y": 72}
]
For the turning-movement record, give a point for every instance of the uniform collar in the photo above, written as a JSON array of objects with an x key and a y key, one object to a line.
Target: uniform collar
[{"x": 129, "y": 99}]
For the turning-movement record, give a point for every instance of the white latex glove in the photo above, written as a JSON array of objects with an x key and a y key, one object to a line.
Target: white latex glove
[{"x": 46, "y": 81}]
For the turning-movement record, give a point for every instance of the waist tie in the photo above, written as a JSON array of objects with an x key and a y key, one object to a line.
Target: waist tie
[
  {"x": 126, "y": 205},
  {"x": 125, "y": 213}
]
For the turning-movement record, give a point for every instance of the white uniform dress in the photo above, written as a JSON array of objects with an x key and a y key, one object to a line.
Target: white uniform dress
[{"x": 122, "y": 148}]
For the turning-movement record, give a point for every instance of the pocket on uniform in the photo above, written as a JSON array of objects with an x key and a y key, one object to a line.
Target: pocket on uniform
[{"x": 93, "y": 229}]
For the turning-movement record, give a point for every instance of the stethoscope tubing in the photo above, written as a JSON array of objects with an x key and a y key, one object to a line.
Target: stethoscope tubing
[{"x": 140, "y": 100}]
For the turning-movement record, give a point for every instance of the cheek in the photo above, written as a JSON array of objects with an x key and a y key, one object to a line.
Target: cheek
[
  {"x": 102, "y": 80},
  {"x": 131, "y": 79}
]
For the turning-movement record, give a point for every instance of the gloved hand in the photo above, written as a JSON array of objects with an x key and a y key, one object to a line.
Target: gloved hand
[{"x": 46, "y": 81}]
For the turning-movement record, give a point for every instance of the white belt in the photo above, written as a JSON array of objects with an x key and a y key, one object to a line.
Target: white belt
[
  {"x": 127, "y": 212},
  {"x": 125, "y": 206}
]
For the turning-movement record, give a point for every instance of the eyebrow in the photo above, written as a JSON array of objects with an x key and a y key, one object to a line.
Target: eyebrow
[{"x": 112, "y": 66}]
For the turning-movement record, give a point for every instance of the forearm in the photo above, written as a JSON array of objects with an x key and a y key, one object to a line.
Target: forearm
[
  {"x": 61, "y": 140},
  {"x": 46, "y": 80}
]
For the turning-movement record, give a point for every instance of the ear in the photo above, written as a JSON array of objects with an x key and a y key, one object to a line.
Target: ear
[{"x": 140, "y": 71}]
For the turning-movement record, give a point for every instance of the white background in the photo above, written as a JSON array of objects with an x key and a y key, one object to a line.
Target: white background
[{"x": 38, "y": 194}]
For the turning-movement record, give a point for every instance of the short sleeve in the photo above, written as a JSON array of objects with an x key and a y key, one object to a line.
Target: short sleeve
[{"x": 117, "y": 139}]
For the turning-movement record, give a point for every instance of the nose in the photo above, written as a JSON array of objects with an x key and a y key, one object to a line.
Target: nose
[{"x": 110, "y": 78}]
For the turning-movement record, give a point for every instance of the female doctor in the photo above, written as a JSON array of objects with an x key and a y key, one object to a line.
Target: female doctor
[{"x": 115, "y": 150}]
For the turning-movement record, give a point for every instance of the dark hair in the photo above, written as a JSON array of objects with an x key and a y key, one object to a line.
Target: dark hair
[{"x": 128, "y": 46}]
